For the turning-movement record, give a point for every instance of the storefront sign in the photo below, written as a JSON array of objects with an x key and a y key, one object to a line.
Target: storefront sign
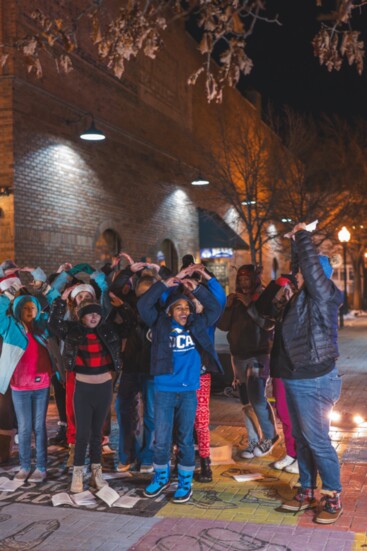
[{"x": 216, "y": 253}]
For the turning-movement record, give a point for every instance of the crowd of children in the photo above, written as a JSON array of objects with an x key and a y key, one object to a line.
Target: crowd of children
[{"x": 150, "y": 334}]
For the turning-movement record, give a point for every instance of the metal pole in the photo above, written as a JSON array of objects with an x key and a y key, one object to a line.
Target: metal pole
[{"x": 345, "y": 308}]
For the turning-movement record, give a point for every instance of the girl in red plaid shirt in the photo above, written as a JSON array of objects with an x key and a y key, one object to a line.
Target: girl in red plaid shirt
[{"x": 92, "y": 350}]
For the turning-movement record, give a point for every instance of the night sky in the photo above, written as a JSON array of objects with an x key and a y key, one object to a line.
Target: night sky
[{"x": 286, "y": 72}]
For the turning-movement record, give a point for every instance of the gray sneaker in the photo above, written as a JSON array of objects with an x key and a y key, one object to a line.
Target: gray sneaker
[
  {"x": 248, "y": 453},
  {"x": 265, "y": 446},
  {"x": 23, "y": 474},
  {"x": 37, "y": 476},
  {"x": 146, "y": 469}
]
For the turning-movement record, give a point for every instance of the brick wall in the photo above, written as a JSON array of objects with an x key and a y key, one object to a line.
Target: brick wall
[
  {"x": 67, "y": 192},
  {"x": 6, "y": 169},
  {"x": 137, "y": 182},
  {"x": 7, "y": 30}
]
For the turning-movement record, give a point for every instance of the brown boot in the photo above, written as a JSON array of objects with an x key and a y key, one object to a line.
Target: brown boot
[
  {"x": 331, "y": 508},
  {"x": 304, "y": 499},
  {"x": 77, "y": 480},
  {"x": 97, "y": 480},
  {"x": 70, "y": 461}
]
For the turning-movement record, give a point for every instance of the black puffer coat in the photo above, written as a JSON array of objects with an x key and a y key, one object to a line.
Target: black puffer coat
[
  {"x": 310, "y": 323},
  {"x": 73, "y": 333}
]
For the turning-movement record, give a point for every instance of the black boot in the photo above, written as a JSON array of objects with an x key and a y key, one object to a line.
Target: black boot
[
  {"x": 206, "y": 474},
  {"x": 5, "y": 448},
  {"x": 60, "y": 437}
]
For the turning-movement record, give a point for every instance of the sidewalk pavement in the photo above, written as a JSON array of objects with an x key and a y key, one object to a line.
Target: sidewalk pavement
[{"x": 224, "y": 515}]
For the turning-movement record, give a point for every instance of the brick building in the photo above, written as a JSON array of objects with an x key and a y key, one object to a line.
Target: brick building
[{"x": 73, "y": 200}]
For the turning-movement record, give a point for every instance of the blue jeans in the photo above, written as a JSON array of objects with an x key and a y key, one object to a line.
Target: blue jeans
[
  {"x": 310, "y": 402},
  {"x": 136, "y": 434},
  {"x": 178, "y": 409},
  {"x": 255, "y": 379},
  {"x": 31, "y": 408}
]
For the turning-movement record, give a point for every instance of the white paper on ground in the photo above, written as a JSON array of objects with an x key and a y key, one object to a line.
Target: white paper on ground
[
  {"x": 7, "y": 485},
  {"x": 126, "y": 501},
  {"x": 113, "y": 499},
  {"x": 108, "y": 495},
  {"x": 61, "y": 499},
  {"x": 247, "y": 477},
  {"x": 84, "y": 498}
]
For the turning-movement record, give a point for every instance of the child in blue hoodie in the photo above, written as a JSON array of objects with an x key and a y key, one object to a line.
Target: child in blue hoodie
[{"x": 180, "y": 342}]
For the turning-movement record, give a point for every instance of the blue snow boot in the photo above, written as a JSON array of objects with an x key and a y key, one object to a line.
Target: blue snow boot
[
  {"x": 184, "y": 490},
  {"x": 159, "y": 482}
]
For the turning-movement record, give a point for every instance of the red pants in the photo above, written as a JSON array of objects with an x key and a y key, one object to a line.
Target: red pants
[
  {"x": 203, "y": 416},
  {"x": 283, "y": 414}
]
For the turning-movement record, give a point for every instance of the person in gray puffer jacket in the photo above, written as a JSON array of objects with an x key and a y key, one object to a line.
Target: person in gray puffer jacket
[{"x": 308, "y": 352}]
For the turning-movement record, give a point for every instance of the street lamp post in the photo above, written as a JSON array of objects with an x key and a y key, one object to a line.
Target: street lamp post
[{"x": 344, "y": 237}]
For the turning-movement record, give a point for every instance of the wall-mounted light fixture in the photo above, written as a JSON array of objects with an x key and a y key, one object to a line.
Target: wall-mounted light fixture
[
  {"x": 200, "y": 181},
  {"x": 92, "y": 134}
]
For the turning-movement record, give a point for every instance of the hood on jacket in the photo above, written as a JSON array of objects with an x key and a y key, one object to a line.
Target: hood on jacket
[
  {"x": 326, "y": 266},
  {"x": 20, "y": 301},
  {"x": 175, "y": 297},
  {"x": 121, "y": 284}
]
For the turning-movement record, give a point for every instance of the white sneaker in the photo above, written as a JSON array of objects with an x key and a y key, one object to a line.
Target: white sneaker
[
  {"x": 23, "y": 474},
  {"x": 248, "y": 453},
  {"x": 37, "y": 476},
  {"x": 146, "y": 469},
  {"x": 284, "y": 462},
  {"x": 293, "y": 468}
]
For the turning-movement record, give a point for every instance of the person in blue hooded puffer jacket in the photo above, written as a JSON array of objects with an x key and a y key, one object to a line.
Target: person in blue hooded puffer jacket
[
  {"x": 25, "y": 365},
  {"x": 180, "y": 346}
]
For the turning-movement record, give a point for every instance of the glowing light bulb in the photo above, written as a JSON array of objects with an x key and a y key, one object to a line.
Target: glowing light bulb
[
  {"x": 335, "y": 416},
  {"x": 358, "y": 420}
]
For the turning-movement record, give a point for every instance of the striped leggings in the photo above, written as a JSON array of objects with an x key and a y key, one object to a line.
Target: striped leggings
[{"x": 202, "y": 418}]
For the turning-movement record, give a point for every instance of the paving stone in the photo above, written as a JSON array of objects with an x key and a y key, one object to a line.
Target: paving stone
[
  {"x": 235, "y": 536},
  {"x": 222, "y": 515},
  {"x": 88, "y": 533}
]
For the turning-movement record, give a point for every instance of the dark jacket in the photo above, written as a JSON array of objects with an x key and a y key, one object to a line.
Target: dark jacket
[
  {"x": 161, "y": 324},
  {"x": 136, "y": 355},
  {"x": 249, "y": 334},
  {"x": 73, "y": 333},
  {"x": 310, "y": 323}
]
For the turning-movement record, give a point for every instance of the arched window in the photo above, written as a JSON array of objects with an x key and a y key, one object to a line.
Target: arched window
[
  {"x": 108, "y": 245},
  {"x": 170, "y": 255},
  {"x": 274, "y": 268}
]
